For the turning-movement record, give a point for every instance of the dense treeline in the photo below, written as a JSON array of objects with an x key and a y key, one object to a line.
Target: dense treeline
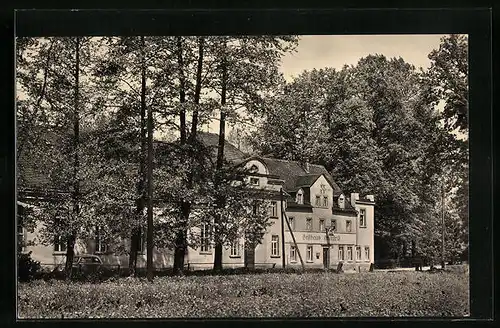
[{"x": 378, "y": 127}]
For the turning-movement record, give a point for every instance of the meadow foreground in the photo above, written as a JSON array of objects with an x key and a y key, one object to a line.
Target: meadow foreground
[{"x": 262, "y": 295}]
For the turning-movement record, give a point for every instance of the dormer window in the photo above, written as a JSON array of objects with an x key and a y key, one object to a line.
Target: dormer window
[
  {"x": 341, "y": 201},
  {"x": 254, "y": 181},
  {"x": 300, "y": 197}
]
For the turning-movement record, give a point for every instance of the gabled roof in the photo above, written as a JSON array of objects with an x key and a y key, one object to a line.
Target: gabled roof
[{"x": 294, "y": 174}]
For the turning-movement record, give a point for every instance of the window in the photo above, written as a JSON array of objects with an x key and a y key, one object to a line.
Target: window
[
  {"x": 274, "y": 210},
  {"x": 309, "y": 254},
  {"x": 349, "y": 253},
  {"x": 318, "y": 200},
  {"x": 325, "y": 201},
  {"x": 309, "y": 224},
  {"x": 255, "y": 208},
  {"x": 292, "y": 223},
  {"x": 59, "y": 244},
  {"x": 275, "y": 245},
  {"x": 141, "y": 247},
  {"x": 348, "y": 226},
  {"x": 367, "y": 253},
  {"x": 362, "y": 218},
  {"x": 254, "y": 169},
  {"x": 341, "y": 253},
  {"x": 341, "y": 201},
  {"x": 235, "y": 248},
  {"x": 100, "y": 245},
  {"x": 293, "y": 253},
  {"x": 334, "y": 225},
  {"x": 20, "y": 238},
  {"x": 321, "y": 225},
  {"x": 254, "y": 181},
  {"x": 205, "y": 238},
  {"x": 358, "y": 253},
  {"x": 300, "y": 197}
]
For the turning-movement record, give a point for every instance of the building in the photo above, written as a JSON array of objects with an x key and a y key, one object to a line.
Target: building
[{"x": 328, "y": 226}]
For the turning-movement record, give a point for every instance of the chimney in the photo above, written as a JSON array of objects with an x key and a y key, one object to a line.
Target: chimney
[
  {"x": 354, "y": 198},
  {"x": 371, "y": 198},
  {"x": 305, "y": 165}
]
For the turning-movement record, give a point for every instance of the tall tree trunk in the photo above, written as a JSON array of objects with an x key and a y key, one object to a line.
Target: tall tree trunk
[
  {"x": 185, "y": 205},
  {"x": 220, "y": 161},
  {"x": 70, "y": 246},
  {"x": 182, "y": 90},
  {"x": 137, "y": 231},
  {"x": 149, "y": 259}
]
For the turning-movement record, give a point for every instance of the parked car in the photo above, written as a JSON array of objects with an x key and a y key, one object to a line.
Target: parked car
[{"x": 85, "y": 264}]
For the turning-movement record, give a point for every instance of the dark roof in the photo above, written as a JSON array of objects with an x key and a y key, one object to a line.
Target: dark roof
[
  {"x": 295, "y": 175},
  {"x": 231, "y": 153},
  {"x": 306, "y": 180}
]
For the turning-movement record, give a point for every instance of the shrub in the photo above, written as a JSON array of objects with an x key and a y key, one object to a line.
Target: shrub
[{"x": 27, "y": 268}]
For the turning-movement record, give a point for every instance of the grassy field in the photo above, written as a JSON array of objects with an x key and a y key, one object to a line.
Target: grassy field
[{"x": 262, "y": 295}]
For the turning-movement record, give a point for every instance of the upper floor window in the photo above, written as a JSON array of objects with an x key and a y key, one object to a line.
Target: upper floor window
[
  {"x": 333, "y": 225},
  {"x": 321, "y": 225},
  {"x": 322, "y": 189},
  {"x": 318, "y": 200},
  {"x": 254, "y": 181},
  {"x": 348, "y": 226},
  {"x": 292, "y": 223},
  {"x": 309, "y": 224},
  {"x": 273, "y": 211},
  {"x": 362, "y": 218},
  {"x": 300, "y": 197},
  {"x": 325, "y": 201}
]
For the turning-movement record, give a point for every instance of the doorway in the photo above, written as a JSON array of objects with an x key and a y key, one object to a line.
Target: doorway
[{"x": 326, "y": 257}]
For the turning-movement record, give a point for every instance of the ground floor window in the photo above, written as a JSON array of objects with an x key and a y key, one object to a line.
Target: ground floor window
[
  {"x": 275, "y": 245},
  {"x": 367, "y": 253},
  {"x": 341, "y": 253},
  {"x": 358, "y": 253},
  {"x": 20, "y": 238},
  {"x": 235, "y": 248},
  {"x": 309, "y": 254},
  {"x": 293, "y": 254},
  {"x": 205, "y": 237},
  {"x": 100, "y": 244},
  {"x": 59, "y": 244},
  {"x": 349, "y": 253}
]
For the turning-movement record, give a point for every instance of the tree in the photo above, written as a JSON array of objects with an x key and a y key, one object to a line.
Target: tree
[
  {"x": 448, "y": 77},
  {"x": 247, "y": 70}
]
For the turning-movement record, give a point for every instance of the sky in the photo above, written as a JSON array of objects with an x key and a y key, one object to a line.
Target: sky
[{"x": 319, "y": 51}]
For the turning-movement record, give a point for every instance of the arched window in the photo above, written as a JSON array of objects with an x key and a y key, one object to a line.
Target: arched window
[{"x": 300, "y": 197}]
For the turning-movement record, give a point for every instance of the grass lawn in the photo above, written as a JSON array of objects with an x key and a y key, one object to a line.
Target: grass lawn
[{"x": 261, "y": 295}]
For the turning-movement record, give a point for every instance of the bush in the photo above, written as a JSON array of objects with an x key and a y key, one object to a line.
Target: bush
[{"x": 27, "y": 268}]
